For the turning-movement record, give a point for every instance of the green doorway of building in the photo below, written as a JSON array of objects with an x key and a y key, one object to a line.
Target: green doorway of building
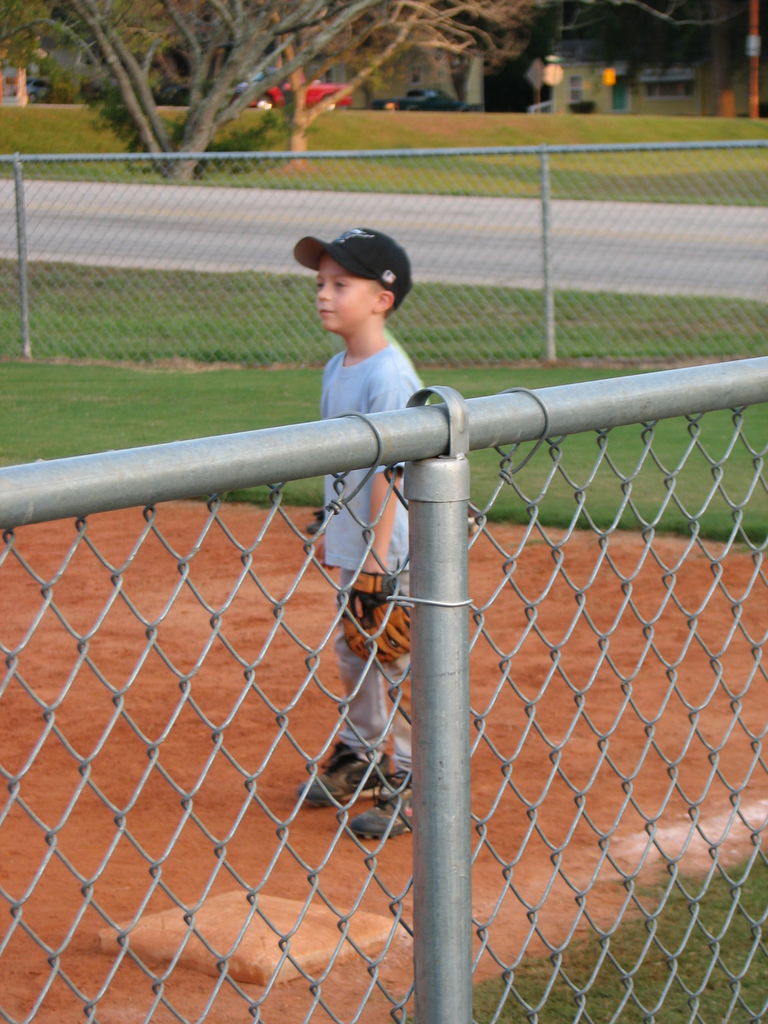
[{"x": 620, "y": 96}]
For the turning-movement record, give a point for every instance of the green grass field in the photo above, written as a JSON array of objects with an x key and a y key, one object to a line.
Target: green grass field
[{"x": 695, "y": 958}]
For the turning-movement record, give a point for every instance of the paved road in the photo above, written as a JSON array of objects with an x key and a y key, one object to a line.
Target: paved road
[{"x": 631, "y": 247}]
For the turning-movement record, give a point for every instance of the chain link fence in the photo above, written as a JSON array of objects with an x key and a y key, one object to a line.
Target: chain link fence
[
  {"x": 635, "y": 252},
  {"x": 169, "y": 684}
]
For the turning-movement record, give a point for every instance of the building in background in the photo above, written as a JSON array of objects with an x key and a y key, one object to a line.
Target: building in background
[
  {"x": 619, "y": 58},
  {"x": 592, "y": 85}
]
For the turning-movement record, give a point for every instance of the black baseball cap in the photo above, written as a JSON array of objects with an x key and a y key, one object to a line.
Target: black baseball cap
[{"x": 365, "y": 253}]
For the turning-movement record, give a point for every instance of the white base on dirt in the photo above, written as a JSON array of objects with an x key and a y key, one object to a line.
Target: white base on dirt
[{"x": 233, "y": 929}]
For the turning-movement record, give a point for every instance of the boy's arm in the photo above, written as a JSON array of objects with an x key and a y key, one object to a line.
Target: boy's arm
[{"x": 381, "y": 493}]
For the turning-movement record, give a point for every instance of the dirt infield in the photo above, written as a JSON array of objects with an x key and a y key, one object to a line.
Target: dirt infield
[{"x": 616, "y": 696}]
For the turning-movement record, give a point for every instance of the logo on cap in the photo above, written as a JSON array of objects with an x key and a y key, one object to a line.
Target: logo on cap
[{"x": 353, "y": 233}]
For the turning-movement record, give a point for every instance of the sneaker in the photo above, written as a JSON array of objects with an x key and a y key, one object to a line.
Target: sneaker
[
  {"x": 317, "y": 521},
  {"x": 341, "y": 777},
  {"x": 392, "y": 814}
]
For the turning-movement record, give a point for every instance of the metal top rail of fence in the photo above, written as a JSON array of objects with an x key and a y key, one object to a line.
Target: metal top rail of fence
[
  {"x": 93, "y": 483},
  {"x": 376, "y": 154}
]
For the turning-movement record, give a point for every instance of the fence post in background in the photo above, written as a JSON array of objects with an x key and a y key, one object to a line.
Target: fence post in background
[
  {"x": 550, "y": 348},
  {"x": 438, "y": 491},
  {"x": 21, "y": 249}
]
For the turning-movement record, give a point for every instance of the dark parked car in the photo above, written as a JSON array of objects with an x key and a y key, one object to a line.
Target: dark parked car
[
  {"x": 38, "y": 89},
  {"x": 422, "y": 99},
  {"x": 172, "y": 94}
]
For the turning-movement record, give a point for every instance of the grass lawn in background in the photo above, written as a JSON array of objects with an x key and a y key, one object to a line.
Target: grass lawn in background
[
  {"x": 57, "y": 410},
  {"x": 79, "y": 310},
  {"x": 721, "y": 176},
  {"x": 43, "y": 128}
]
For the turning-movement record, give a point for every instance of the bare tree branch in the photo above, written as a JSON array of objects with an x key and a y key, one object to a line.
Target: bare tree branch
[{"x": 268, "y": 42}]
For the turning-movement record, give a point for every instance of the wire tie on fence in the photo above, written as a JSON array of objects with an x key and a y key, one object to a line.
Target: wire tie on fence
[
  {"x": 545, "y": 429},
  {"x": 410, "y": 600},
  {"x": 374, "y": 465},
  {"x": 338, "y": 504}
]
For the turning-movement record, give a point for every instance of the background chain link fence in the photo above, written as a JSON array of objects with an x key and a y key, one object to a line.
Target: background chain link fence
[
  {"x": 169, "y": 684},
  {"x": 528, "y": 253}
]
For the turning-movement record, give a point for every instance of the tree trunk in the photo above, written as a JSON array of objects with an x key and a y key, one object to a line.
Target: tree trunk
[
  {"x": 299, "y": 123},
  {"x": 299, "y": 119},
  {"x": 298, "y": 138}
]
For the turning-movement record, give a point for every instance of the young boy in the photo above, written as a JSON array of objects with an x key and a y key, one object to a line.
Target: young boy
[{"x": 363, "y": 276}]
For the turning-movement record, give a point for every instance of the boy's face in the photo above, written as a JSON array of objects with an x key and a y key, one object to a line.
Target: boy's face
[{"x": 346, "y": 303}]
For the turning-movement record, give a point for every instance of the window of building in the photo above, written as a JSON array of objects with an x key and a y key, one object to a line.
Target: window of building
[
  {"x": 668, "y": 84},
  {"x": 575, "y": 88},
  {"x": 668, "y": 90}
]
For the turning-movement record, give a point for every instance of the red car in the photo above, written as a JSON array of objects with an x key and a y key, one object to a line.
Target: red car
[{"x": 317, "y": 91}]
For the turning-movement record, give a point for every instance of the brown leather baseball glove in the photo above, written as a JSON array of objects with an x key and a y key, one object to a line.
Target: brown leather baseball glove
[{"x": 371, "y": 619}]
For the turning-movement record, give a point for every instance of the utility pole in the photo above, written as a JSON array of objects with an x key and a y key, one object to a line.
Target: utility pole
[{"x": 753, "y": 55}]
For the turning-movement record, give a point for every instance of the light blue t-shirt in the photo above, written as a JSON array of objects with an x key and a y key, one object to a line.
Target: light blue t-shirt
[{"x": 381, "y": 383}]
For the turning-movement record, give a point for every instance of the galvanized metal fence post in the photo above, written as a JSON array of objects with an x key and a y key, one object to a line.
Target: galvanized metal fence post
[
  {"x": 550, "y": 346},
  {"x": 21, "y": 249},
  {"x": 438, "y": 491}
]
